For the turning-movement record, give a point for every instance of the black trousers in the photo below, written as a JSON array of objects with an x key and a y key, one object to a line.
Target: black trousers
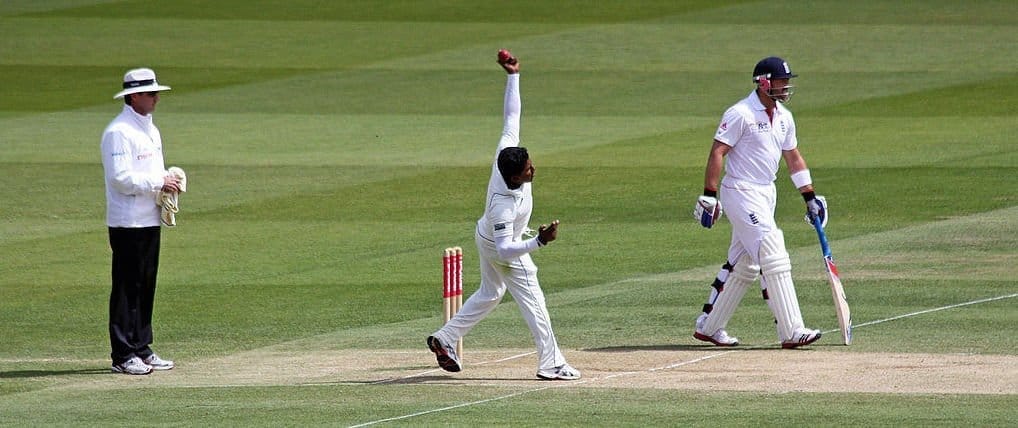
[{"x": 135, "y": 265}]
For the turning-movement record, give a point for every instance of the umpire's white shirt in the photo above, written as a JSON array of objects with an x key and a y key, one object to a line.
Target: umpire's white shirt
[
  {"x": 132, "y": 153},
  {"x": 756, "y": 140}
]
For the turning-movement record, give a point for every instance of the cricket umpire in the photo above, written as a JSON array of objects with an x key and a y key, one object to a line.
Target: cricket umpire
[{"x": 132, "y": 157}]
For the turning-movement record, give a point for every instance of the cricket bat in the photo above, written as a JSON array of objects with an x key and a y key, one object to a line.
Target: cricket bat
[{"x": 837, "y": 290}]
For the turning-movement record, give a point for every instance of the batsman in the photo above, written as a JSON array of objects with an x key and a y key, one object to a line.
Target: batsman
[
  {"x": 504, "y": 251},
  {"x": 754, "y": 135}
]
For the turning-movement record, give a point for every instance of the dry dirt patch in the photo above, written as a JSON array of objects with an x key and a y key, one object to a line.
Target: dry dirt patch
[
  {"x": 832, "y": 371},
  {"x": 709, "y": 369}
]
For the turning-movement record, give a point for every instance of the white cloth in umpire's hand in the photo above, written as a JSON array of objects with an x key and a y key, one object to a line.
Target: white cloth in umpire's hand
[
  {"x": 167, "y": 201},
  {"x": 707, "y": 211}
]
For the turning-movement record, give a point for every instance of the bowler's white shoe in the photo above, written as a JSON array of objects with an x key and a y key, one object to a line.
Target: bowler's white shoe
[
  {"x": 158, "y": 363},
  {"x": 563, "y": 372},
  {"x": 134, "y": 366},
  {"x": 801, "y": 337},
  {"x": 721, "y": 338},
  {"x": 445, "y": 354}
]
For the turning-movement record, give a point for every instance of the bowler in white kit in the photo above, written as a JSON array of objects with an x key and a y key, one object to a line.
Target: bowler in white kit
[
  {"x": 754, "y": 135},
  {"x": 504, "y": 252}
]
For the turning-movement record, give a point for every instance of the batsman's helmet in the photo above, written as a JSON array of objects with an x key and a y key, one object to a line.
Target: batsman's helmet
[{"x": 771, "y": 68}]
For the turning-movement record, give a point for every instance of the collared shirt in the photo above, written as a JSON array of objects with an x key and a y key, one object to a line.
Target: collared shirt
[
  {"x": 132, "y": 156},
  {"x": 756, "y": 140}
]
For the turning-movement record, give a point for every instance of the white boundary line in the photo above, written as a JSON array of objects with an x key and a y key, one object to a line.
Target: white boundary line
[
  {"x": 650, "y": 370},
  {"x": 988, "y": 299}
]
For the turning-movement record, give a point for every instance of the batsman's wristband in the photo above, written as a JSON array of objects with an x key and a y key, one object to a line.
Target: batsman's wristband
[
  {"x": 540, "y": 242},
  {"x": 809, "y": 196},
  {"x": 801, "y": 178},
  {"x": 709, "y": 192}
]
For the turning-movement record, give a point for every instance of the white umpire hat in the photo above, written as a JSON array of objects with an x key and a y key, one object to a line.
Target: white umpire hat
[{"x": 140, "y": 80}]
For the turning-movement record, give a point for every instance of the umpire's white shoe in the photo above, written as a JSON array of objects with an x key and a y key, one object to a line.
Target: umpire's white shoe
[
  {"x": 801, "y": 337},
  {"x": 446, "y": 355},
  {"x": 158, "y": 363},
  {"x": 721, "y": 338},
  {"x": 134, "y": 366},
  {"x": 563, "y": 372}
]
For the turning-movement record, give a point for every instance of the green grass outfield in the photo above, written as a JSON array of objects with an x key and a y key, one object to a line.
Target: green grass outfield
[{"x": 333, "y": 149}]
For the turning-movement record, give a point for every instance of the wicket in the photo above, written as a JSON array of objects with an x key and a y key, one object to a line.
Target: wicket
[{"x": 452, "y": 287}]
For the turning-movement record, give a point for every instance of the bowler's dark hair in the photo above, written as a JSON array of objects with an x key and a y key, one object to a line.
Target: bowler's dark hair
[{"x": 512, "y": 161}]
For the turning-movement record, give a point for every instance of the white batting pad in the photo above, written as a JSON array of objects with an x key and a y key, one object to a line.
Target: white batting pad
[
  {"x": 742, "y": 276},
  {"x": 777, "y": 275}
]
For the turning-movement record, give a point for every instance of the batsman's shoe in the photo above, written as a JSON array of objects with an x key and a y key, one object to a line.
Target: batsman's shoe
[
  {"x": 801, "y": 337},
  {"x": 134, "y": 366},
  {"x": 563, "y": 372},
  {"x": 721, "y": 338},
  {"x": 446, "y": 355},
  {"x": 158, "y": 363}
]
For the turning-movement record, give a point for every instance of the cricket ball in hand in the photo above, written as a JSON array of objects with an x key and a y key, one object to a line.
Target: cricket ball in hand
[{"x": 504, "y": 57}]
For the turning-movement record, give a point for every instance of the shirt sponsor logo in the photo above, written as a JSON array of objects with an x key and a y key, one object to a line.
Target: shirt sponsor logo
[
  {"x": 144, "y": 156},
  {"x": 500, "y": 226},
  {"x": 723, "y": 127},
  {"x": 115, "y": 154}
]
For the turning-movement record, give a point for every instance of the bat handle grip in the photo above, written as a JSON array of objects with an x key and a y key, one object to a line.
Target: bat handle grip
[{"x": 822, "y": 236}]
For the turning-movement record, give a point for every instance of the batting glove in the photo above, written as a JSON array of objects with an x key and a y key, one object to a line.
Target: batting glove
[
  {"x": 707, "y": 211},
  {"x": 816, "y": 206}
]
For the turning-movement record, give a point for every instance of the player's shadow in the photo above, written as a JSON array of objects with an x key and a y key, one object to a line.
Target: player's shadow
[
  {"x": 680, "y": 347},
  {"x": 457, "y": 380},
  {"x": 19, "y": 374},
  {"x": 431, "y": 380}
]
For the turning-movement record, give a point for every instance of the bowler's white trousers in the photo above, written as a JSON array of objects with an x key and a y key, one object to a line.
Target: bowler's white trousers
[{"x": 519, "y": 276}]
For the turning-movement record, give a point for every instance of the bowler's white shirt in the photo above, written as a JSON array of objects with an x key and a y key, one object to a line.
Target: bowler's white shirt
[
  {"x": 756, "y": 140},
  {"x": 507, "y": 211},
  {"x": 132, "y": 155}
]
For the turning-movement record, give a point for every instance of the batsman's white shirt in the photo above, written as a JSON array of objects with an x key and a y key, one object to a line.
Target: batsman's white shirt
[
  {"x": 756, "y": 140},
  {"x": 507, "y": 213},
  {"x": 132, "y": 155},
  {"x": 747, "y": 189}
]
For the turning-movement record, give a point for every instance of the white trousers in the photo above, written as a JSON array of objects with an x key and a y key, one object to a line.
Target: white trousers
[
  {"x": 519, "y": 276},
  {"x": 750, "y": 209}
]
